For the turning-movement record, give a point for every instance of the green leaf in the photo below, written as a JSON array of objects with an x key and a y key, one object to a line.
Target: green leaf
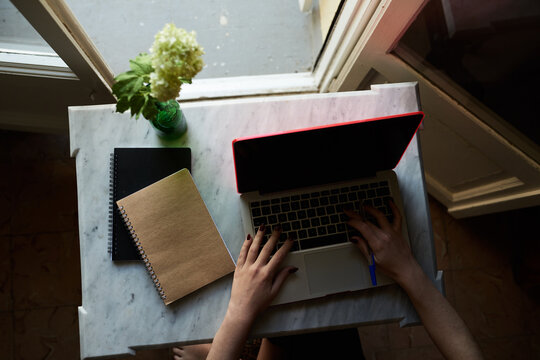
[
  {"x": 122, "y": 104},
  {"x": 184, "y": 80},
  {"x": 127, "y": 87},
  {"x": 136, "y": 103},
  {"x": 149, "y": 109},
  {"x": 125, "y": 75},
  {"x": 141, "y": 65}
]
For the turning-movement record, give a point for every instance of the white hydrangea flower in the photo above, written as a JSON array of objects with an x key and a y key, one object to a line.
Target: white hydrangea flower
[{"x": 176, "y": 56}]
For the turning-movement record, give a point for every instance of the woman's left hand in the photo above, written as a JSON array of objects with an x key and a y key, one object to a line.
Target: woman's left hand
[{"x": 258, "y": 276}]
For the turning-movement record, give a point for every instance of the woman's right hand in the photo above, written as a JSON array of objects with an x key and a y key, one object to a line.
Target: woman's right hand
[{"x": 391, "y": 251}]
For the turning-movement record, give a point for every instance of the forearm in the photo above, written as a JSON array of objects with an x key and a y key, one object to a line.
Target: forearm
[
  {"x": 446, "y": 328},
  {"x": 230, "y": 338}
]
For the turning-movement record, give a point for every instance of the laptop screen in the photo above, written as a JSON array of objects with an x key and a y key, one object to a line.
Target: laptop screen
[{"x": 322, "y": 155}]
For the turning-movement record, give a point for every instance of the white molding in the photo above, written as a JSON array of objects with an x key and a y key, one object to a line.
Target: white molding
[
  {"x": 240, "y": 86},
  {"x": 32, "y": 63},
  {"x": 352, "y": 22},
  {"x": 505, "y": 202}
]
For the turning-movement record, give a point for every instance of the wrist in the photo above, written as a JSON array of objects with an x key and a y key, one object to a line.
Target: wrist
[
  {"x": 410, "y": 275},
  {"x": 239, "y": 316}
]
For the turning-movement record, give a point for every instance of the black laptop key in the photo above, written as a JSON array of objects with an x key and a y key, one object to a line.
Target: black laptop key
[
  {"x": 383, "y": 183},
  {"x": 295, "y": 225},
  {"x": 304, "y": 204},
  {"x": 272, "y": 219},
  {"x": 343, "y": 217},
  {"x": 325, "y": 220},
  {"x": 325, "y": 192},
  {"x": 302, "y": 234},
  {"x": 312, "y": 232},
  {"x": 275, "y": 201},
  {"x": 259, "y": 221},
  {"x": 352, "y": 196},
  {"x": 331, "y": 229},
  {"x": 341, "y": 227},
  {"x": 371, "y": 193},
  {"x": 377, "y": 202},
  {"x": 321, "y": 230},
  {"x": 302, "y": 214},
  {"x": 291, "y": 216},
  {"x": 334, "y": 219},
  {"x": 265, "y": 202},
  {"x": 323, "y": 241},
  {"x": 314, "y": 202},
  {"x": 256, "y": 212},
  {"x": 344, "y": 189},
  {"x": 334, "y": 191},
  {"x": 292, "y": 235},
  {"x": 373, "y": 185},
  {"x": 342, "y": 198},
  {"x": 304, "y": 196},
  {"x": 384, "y": 191},
  {"x": 315, "y": 222},
  {"x": 361, "y": 194},
  {"x": 321, "y": 211},
  {"x": 364, "y": 186},
  {"x": 324, "y": 201},
  {"x": 315, "y": 194},
  {"x": 285, "y": 199},
  {"x": 286, "y": 227},
  {"x": 255, "y": 204},
  {"x": 306, "y": 224},
  {"x": 285, "y": 207},
  {"x": 311, "y": 213},
  {"x": 333, "y": 199},
  {"x": 276, "y": 209},
  {"x": 330, "y": 210},
  {"x": 295, "y": 197},
  {"x": 355, "y": 188},
  {"x": 266, "y": 210},
  {"x": 282, "y": 218},
  {"x": 295, "y": 205}
]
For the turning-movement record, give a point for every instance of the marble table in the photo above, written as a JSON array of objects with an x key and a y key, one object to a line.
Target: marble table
[{"x": 121, "y": 312}]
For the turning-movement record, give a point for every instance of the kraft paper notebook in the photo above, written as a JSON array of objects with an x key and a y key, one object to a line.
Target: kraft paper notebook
[
  {"x": 131, "y": 170},
  {"x": 176, "y": 236}
]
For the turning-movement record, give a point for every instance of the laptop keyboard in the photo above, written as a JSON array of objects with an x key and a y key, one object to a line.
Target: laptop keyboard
[{"x": 317, "y": 219}]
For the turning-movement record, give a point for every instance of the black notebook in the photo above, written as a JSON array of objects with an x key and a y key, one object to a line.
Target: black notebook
[{"x": 131, "y": 170}]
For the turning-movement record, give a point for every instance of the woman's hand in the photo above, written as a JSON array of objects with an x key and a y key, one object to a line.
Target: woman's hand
[
  {"x": 258, "y": 278},
  {"x": 391, "y": 251}
]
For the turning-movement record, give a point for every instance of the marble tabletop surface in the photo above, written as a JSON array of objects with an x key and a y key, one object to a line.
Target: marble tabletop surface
[{"x": 121, "y": 312}]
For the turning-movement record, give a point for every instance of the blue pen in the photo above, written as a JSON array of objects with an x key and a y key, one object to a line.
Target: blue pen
[
  {"x": 372, "y": 268},
  {"x": 371, "y": 257}
]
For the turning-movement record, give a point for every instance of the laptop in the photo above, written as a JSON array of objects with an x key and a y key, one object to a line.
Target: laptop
[{"x": 302, "y": 180}]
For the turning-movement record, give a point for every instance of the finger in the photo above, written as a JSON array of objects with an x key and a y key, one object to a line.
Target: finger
[
  {"x": 177, "y": 350},
  {"x": 362, "y": 245},
  {"x": 176, "y": 357},
  {"x": 278, "y": 257},
  {"x": 253, "y": 252},
  {"x": 280, "y": 279},
  {"x": 269, "y": 246},
  {"x": 379, "y": 216},
  {"x": 396, "y": 224},
  {"x": 244, "y": 251},
  {"x": 352, "y": 214},
  {"x": 366, "y": 228}
]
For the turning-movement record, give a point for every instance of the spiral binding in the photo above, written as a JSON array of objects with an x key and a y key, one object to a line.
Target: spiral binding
[
  {"x": 112, "y": 193},
  {"x": 144, "y": 258}
]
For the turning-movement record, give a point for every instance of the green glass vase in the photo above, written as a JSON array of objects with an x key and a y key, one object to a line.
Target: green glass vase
[{"x": 170, "y": 122}]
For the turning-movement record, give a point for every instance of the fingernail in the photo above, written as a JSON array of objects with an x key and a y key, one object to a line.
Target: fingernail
[
  {"x": 292, "y": 271},
  {"x": 277, "y": 228},
  {"x": 261, "y": 228},
  {"x": 248, "y": 237}
]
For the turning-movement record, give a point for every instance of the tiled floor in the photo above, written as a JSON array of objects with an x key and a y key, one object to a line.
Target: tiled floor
[{"x": 40, "y": 277}]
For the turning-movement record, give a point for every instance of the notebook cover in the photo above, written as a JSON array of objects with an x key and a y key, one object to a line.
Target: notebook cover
[
  {"x": 131, "y": 170},
  {"x": 179, "y": 241}
]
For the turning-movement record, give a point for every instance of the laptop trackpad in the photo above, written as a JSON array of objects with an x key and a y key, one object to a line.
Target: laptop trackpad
[{"x": 336, "y": 270}]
